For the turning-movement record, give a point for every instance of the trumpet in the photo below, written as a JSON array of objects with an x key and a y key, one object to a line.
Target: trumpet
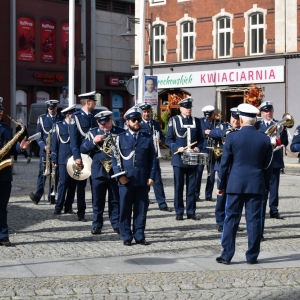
[
  {"x": 287, "y": 121},
  {"x": 156, "y": 138}
]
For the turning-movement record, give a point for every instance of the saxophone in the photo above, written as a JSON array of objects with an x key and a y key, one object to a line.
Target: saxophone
[{"x": 6, "y": 149}]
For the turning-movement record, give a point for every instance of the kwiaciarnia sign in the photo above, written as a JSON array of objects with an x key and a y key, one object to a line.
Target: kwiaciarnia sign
[{"x": 222, "y": 77}]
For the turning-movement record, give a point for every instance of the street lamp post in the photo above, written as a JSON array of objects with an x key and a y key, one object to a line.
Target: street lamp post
[{"x": 128, "y": 35}]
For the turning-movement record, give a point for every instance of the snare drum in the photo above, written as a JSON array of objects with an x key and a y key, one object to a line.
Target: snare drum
[
  {"x": 203, "y": 159},
  {"x": 190, "y": 158}
]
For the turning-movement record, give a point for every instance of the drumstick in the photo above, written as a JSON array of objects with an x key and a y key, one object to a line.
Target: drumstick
[{"x": 190, "y": 145}]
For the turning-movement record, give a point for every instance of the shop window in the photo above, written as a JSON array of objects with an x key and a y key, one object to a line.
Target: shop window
[
  {"x": 117, "y": 104},
  {"x": 187, "y": 41},
  {"x": 42, "y": 96},
  {"x": 21, "y": 106},
  {"x": 224, "y": 37},
  {"x": 159, "y": 43},
  {"x": 256, "y": 33}
]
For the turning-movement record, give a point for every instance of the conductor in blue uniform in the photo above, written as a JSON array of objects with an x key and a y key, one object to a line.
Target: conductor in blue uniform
[
  {"x": 6, "y": 175},
  {"x": 44, "y": 126},
  {"x": 61, "y": 152},
  {"x": 80, "y": 124},
  {"x": 134, "y": 166},
  {"x": 246, "y": 158},
  {"x": 153, "y": 127},
  {"x": 179, "y": 129},
  {"x": 101, "y": 171}
]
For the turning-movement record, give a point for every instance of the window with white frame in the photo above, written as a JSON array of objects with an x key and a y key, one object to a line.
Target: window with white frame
[
  {"x": 256, "y": 33},
  {"x": 224, "y": 37},
  {"x": 157, "y": 2},
  {"x": 159, "y": 43},
  {"x": 187, "y": 41}
]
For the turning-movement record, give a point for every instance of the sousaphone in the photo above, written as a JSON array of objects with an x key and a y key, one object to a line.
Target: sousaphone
[{"x": 77, "y": 174}]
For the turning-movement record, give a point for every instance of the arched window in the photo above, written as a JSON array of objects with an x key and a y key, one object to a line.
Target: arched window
[
  {"x": 187, "y": 41},
  {"x": 159, "y": 43},
  {"x": 256, "y": 33},
  {"x": 21, "y": 106},
  {"x": 224, "y": 37}
]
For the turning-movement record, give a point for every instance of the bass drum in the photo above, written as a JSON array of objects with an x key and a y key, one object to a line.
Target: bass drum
[{"x": 84, "y": 173}]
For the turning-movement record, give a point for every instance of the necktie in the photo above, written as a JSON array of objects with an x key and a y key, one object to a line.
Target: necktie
[
  {"x": 149, "y": 124},
  {"x": 134, "y": 136}
]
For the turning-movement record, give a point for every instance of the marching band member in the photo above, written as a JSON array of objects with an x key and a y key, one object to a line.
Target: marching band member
[
  {"x": 295, "y": 145},
  {"x": 6, "y": 176},
  {"x": 44, "y": 125},
  {"x": 150, "y": 125},
  {"x": 267, "y": 112},
  {"x": 80, "y": 123},
  {"x": 101, "y": 171},
  {"x": 178, "y": 128},
  {"x": 135, "y": 156},
  {"x": 218, "y": 134},
  {"x": 207, "y": 123},
  {"x": 61, "y": 152},
  {"x": 246, "y": 158}
]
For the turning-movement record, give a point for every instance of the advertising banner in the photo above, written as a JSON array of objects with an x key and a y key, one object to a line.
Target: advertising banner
[
  {"x": 48, "y": 41},
  {"x": 26, "y": 39},
  {"x": 64, "y": 42},
  {"x": 151, "y": 94}
]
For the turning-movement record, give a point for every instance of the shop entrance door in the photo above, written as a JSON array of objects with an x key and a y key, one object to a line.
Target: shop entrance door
[{"x": 231, "y": 101}]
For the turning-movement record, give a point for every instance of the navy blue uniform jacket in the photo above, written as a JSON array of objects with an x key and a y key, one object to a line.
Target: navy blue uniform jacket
[
  {"x": 175, "y": 142},
  {"x": 60, "y": 145},
  {"x": 97, "y": 155},
  {"x": 247, "y": 154},
  {"x": 44, "y": 125},
  {"x": 295, "y": 146},
  {"x": 141, "y": 166},
  {"x": 277, "y": 161}
]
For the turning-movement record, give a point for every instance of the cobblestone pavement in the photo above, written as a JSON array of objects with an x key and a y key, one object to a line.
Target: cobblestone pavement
[{"x": 41, "y": 238}]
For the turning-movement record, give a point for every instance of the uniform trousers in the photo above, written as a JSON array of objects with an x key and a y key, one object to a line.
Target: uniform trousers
[
  {"x": 274, "y": 191},
  {"x": 189, "y": 174},
  {"x": 220, "y": 209},
  {"x": 41, "y": 180},
  {"x": 81, "y": 206},
  {"x": 158, "y": 187},
  {"x": 100, "y": 187},
  {"x": 4, "y": 198},
  {"x": 210, "y": 181},
  {"x": 66, "y": 185},
  {"x": 134, "y": 198},
  {"x": 233, "y": 213}
]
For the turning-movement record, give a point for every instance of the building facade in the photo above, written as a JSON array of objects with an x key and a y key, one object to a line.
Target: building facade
[
  {"x": 216, "y": 50},
  {"x": 34, "y": 62}
]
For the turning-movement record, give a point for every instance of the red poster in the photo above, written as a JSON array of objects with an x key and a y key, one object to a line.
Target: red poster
[
  {"x": 48, "y": 41},
  {"x": 64, "y": 42},
  {"x": 26, "y": 39}
]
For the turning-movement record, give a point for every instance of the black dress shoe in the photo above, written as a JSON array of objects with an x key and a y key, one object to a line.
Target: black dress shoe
[
  {"x": 193, "y": 217},
  {"x": 81, "y": 219},
  {"x": 117, "y": 230},
  {"x": 198, "y": 199},
  {"x": 166, "y": 208},
  {"x": 52, "y": 200},
  {"x": 276, "y": 216},
  {"x": 252, "y": 262},
  {"x": 142, "y": 242},
  {"x": 34, "y": 198},
  {"x": 262, "y": 239},
  {"x": 57, "y": 212},
  {"x": 127, "y": 243},
  {"x": 179, "y": 217},
  {"x": 96, "y": 230},
  {"x": 70, "y": 212},
  {"x": 210, "y": 199},
  {"x": 240, "y": 229},
  {"x": 222, "y": 261},
  {"x": 5, "y": 242},
  {"x": 220, "y": 228}
]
